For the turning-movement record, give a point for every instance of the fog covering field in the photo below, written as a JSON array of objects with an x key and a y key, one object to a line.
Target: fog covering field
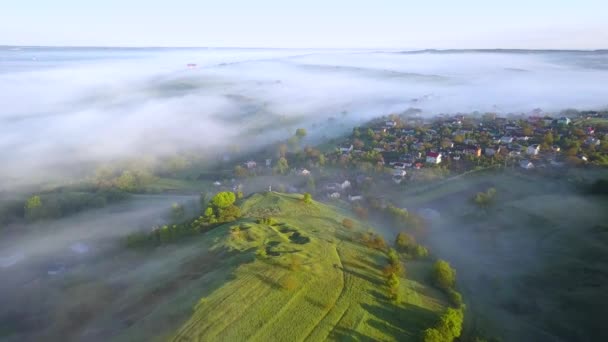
[
  {"x": 530, "y": 268},
  {"x": 533, "y": 266},
  {"x": 65, "y": 109}
]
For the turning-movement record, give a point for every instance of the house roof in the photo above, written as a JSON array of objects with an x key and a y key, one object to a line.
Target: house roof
[{"x": 433, "y": 154}]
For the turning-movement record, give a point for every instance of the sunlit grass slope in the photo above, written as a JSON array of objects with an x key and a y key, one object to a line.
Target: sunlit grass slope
[{"x": 316, "y": 281}]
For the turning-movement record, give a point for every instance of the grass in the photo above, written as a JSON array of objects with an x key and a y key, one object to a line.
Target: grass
[{"x": 336, "y": 291}]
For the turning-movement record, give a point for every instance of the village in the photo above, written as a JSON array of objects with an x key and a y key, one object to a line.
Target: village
[{"x": 409, "y": 149}]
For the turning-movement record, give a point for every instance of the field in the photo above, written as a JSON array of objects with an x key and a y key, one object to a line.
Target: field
[{"x": 531, "y": 265}]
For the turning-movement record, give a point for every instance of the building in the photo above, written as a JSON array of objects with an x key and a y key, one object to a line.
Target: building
[
  {"x": 506, "y": 139},
  {"x": 346, "y": 148},
  {"x": 399, "y": 173},
  {"x": 533, "y": 149},
  {"x": 251, "y": 164},
  {"x": 490, "y": 151},
  {"x": 563, "y": 121},
  {"x": 433, "y": 157},
  {"x": 526, "y": 164}
]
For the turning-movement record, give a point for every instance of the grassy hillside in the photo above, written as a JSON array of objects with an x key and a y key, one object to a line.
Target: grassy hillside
[{"x": 315, "y": 282}]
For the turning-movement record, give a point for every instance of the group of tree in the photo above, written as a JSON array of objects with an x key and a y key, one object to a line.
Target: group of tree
[
  {"x": 406, "y": 243},
  {"x": 485, "y": 199},
  {"x": 63, "y": 203},
  {"x": 448, "y": 328},
  {"x": 373, "y": 240},
  {"x": 444, "y": 277},
  {"x": 220, "y": 209}
]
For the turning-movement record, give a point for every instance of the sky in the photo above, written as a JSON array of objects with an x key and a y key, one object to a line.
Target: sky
[{"x": 525, "y": 24}]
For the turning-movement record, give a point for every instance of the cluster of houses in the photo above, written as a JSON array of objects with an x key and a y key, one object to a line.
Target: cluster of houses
[{"x": 417, "y": 143}]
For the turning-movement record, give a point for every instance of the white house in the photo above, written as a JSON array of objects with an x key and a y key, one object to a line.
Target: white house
[
  {"x": 399, "y": 173},
  {"x": 563, "y": 121},
  {"x": 354, "y": 198},
  {"x": 304, "y": 172},
  {"x": 526, "y": 164},
  {"x": 346, "y": 148},
  {"x": 345, "y": 185},
  {"x": 390, "y": 123},
  {"x": 335, "y": 195},
  {"x": 251, "y": 164},
  {"x": 433, "y": 157},
  {"x": 533, "y": 149},
  {"x": 506, "y": 139}
]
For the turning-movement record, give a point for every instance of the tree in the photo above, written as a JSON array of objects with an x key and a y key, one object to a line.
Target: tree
[
  {"x": 33, "y": 208},
  {"x": 282, "y": 166},
  {"x": 393, "y": 286},
  {"x": 223, "y": 199},
  {"x": 307, "y": 198},
  {"x": 300, "y": 133},
  {"x": 404, "y": 242},
  {"x": 126, "y": 181},
  {"x": 444, "y": 276}
]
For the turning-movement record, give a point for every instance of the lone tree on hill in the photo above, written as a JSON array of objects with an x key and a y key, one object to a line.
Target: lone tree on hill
[{"x": 307, "y": 198}]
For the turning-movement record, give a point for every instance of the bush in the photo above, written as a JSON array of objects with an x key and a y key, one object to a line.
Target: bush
[
  {"x": 348, "y": 223},
  {"x": 444, "y": 276}
]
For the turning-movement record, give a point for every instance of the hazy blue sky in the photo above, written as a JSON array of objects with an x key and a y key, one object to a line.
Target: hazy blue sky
[{"x": 579, "y": 24}]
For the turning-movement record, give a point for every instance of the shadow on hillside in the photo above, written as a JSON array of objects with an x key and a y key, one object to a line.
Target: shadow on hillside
[
  {"x": 403, "y": 322},
  {"x": 273, "y": 284},
  {"x": 349, "y": 269},
  {"x": 349, "y": 335}
]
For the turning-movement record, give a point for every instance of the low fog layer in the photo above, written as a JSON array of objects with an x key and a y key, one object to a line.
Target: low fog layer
[{"x": 65, "y": 107}]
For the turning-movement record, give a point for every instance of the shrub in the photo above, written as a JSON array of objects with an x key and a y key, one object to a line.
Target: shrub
[
  {"x": 307, "y": 198},
  {"x": 348, "y": 223}
]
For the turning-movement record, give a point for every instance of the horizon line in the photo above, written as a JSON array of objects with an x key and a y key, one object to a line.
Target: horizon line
[{"x": 401, "y": 49}]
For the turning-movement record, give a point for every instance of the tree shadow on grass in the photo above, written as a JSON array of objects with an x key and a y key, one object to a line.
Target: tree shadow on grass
[
  {"x": 349, "y": 335},
  {"x": 349, "y": 269},
  {"x": 271, "y": 282},
  {"x": 403, "y": 322}
]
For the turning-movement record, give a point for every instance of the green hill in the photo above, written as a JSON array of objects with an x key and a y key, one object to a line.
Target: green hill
[{"x": 303, "y": 276}]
